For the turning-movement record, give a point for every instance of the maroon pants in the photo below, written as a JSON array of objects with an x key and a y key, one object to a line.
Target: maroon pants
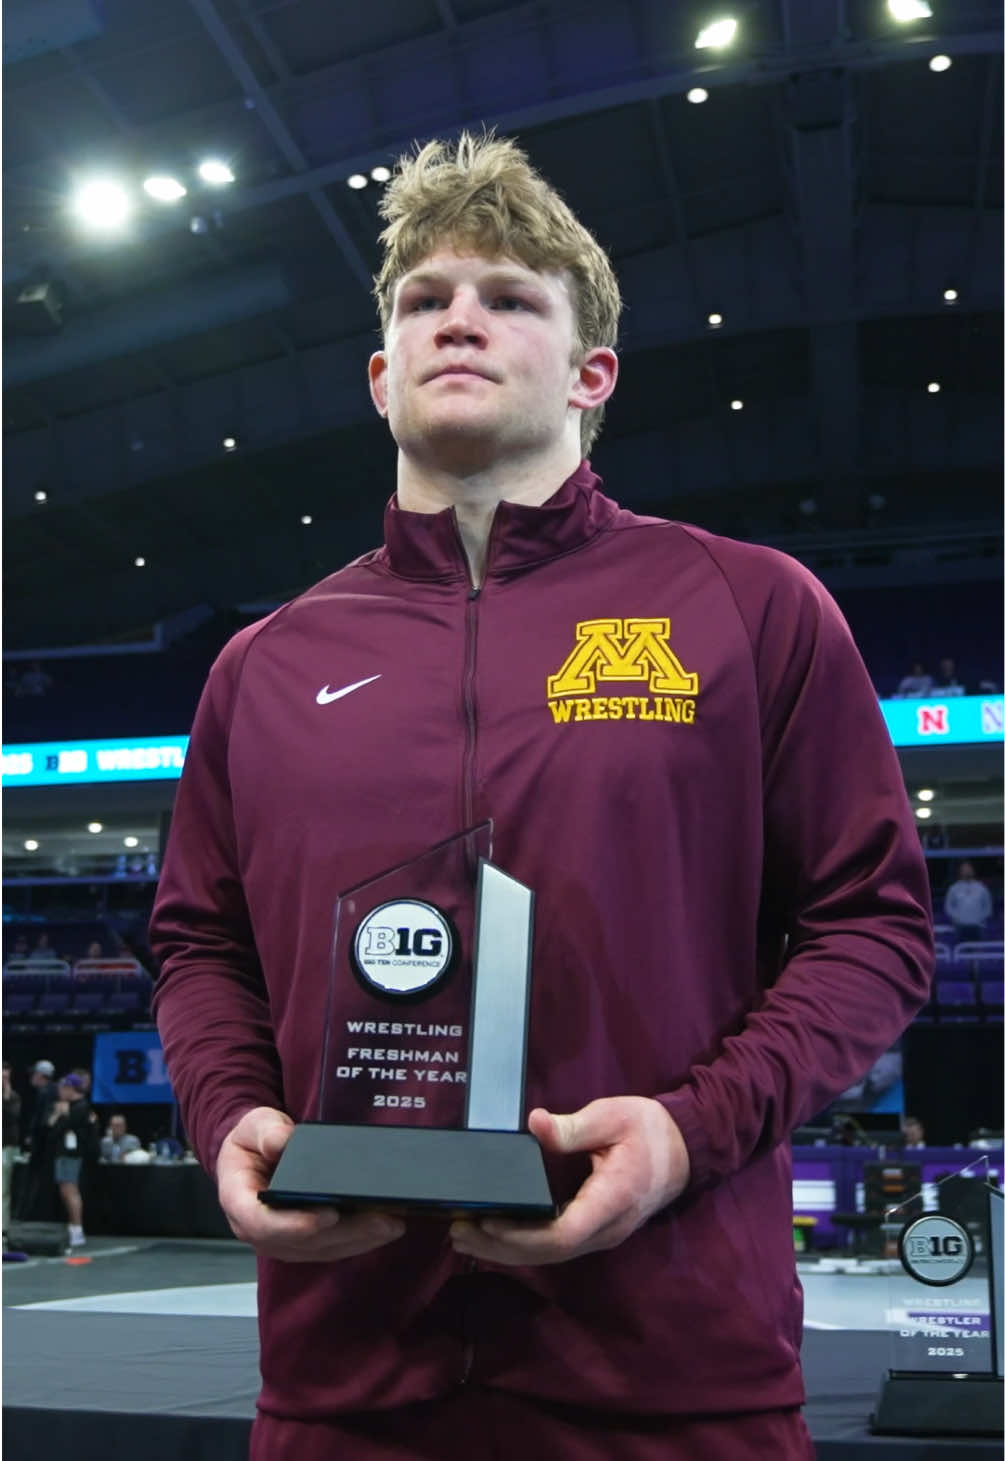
[{"x": 490, "y": 1425}]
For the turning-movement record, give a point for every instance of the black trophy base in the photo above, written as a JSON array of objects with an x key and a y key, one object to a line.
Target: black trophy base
[
  {"x": 412, "y": 1169},
  {"x": 927, "y": 1403}
]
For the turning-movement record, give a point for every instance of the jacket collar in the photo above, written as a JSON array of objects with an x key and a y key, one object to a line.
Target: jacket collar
[{"x": 427, "y": 545}]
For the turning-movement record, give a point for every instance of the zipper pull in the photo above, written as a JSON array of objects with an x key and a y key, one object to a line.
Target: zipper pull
[{"x": 473, "y": 594}]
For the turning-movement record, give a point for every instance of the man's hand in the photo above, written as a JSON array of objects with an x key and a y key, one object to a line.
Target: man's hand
[
  {"x": 314, "y": 1235},
  {"x": 640, "y": 1164}
]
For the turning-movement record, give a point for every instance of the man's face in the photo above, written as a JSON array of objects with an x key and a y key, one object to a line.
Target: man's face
[
  {"x": 966, "y": 870},
  {"x": 477, "y": 363},
  {"x": 117, "y": 1126}
]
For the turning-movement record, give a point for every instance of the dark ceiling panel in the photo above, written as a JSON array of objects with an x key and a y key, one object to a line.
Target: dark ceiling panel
[{"x": 318, "y": 35}]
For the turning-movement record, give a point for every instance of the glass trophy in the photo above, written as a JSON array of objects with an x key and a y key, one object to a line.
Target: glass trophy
[
  {"x": 944, "y": 1310},
  {"x": 421, "y": 1107}
]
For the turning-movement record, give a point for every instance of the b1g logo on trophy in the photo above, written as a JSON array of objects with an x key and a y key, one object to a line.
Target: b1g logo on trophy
[
  {"x": 936, "y": 1250},
  {"x": 404, "y": 949}
]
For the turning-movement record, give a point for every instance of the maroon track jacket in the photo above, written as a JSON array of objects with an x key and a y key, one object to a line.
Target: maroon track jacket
[{"x": 683, "y": 756}]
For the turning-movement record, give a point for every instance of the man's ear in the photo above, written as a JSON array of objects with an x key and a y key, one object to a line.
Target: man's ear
[
  {"x": 377, "y": 373},
  {"x": 595, "y": 378}
]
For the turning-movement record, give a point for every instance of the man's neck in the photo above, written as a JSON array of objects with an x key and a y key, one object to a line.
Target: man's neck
[{"x": 474, "y": 496}]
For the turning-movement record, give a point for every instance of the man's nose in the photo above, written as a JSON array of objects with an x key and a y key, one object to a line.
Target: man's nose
[{"x": 462, "y": 320}]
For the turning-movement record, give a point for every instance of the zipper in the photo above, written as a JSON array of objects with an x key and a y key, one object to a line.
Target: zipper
[{"x": 470, "y": 711}]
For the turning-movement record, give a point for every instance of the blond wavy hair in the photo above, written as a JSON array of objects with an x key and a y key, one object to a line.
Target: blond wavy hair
[{"x": 481, "y": 195}]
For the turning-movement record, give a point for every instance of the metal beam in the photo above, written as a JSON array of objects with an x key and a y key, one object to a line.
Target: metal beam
[{"x": 281, "y": 135}]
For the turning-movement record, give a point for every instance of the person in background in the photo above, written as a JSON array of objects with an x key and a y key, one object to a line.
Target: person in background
[
  {"x": 94, "y": 950},
  {"x": 968, "y": 904},
  {"x": 35, "y": 1197},
  {"x": 21, "y": 949},
  {"x": 43, "y": 949},
  {"x": 118, "y": 1139},
  {"x": 11, "y": 1141},
  {"x": 69, "y": 1139},
  {"x": 34, "y": 681},
  {"x": 915, "y": 685},
  {"x": 944, "y": 681},
  {"x": 914, "y": 1131},
  {"x": 682, "y": 755}
]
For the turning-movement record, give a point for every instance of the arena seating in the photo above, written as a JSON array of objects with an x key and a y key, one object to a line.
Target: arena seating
[{"x": 93, "y": 994}]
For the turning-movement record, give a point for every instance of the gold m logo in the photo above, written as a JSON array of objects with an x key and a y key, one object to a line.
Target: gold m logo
[{"x": 622, "y": 649}]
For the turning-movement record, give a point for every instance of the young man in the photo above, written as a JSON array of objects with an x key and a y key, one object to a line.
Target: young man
[
  {"x": 68, "y": 1140},
  {"x": 682, "y": 755}
]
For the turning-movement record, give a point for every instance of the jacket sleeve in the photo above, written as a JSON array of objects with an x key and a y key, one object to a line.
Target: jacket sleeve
[
  {"x": 210, "y": 1000},
  {"x": 843, "y": 878}
]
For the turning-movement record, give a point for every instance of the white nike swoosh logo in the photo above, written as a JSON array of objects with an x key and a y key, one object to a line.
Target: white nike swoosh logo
[{"x": 326, "y": 696}]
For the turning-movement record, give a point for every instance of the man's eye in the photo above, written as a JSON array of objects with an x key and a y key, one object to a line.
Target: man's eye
[
  {"x": 509, "y": 302},
  {"x": 424, "y": 302}
]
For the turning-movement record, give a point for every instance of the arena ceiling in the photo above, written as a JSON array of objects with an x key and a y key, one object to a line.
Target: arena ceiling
[{"x": 822, "y": 201}]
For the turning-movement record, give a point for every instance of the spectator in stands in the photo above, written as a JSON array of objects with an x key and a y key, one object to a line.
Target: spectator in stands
[
  {"x": 118, "y": 1140},
  {"x": 69, "y": 1142},
  {"x": 968, "y": 904},
  {"x": 43, "y": 948},
  {"x": 20, "y": 950},
  {"x": 945, "y": 681},
  {"x": 95, "y": 950},
  {"x": 913, "y": 1130},
  {"x": 915, "y": 685},
  {"x": 11, "y": 1141},
  {"x": 34, "y": 681}
]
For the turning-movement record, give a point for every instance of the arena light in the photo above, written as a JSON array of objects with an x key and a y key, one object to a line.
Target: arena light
[
  {"x": 215, "y": 172},
  {"x": 41, "y": 495},
  {"x": 926, "y": 794},
  {"x": 716, "y": 34},
  {"x": 933, "y": 388},
  {"x": 139, "y": 563},
  {"x": 736, "y": 405},
  {"x": 381, "y": 174},
  {"x": 940, "y": 63},
  {"x": 130, "y": 842},
  {"x": 306, "y": 519},
  {"x": 95, "y": 827},
  {"x": 907, "y": 10},
  {"x": 923, "y": 813},
  {"x": 950, "y": 296},
  {"x": 102, "y": 203},
  {"x": 31, "y": 845},
  {"x": 697, "y": 95},
  {"x": 230, "y": 443},
  {"x": 356, "y": 180},
  {"x": 164, "y": 189},
  {"x": 715, "y": 320}
]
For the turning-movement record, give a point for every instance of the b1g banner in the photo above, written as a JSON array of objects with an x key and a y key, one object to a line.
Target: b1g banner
[{"x": 129, "y": 1068}]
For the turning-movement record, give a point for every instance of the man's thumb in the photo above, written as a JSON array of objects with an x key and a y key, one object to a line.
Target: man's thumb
[{"x": 556, "y": 1133}]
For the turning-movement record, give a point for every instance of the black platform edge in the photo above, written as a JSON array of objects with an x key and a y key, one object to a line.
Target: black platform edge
[
  {"x": 919, "y": 1403},
  {"x": 96, "y": 1435}
]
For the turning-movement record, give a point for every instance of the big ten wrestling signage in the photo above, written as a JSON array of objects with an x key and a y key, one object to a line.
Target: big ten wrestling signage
[{"x": 129, "y": 1068}]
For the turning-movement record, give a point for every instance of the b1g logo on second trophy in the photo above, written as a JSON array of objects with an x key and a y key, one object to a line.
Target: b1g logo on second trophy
[
  {"x": 403, "y": 949},
  {"x": 936, "y": 1250}
]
